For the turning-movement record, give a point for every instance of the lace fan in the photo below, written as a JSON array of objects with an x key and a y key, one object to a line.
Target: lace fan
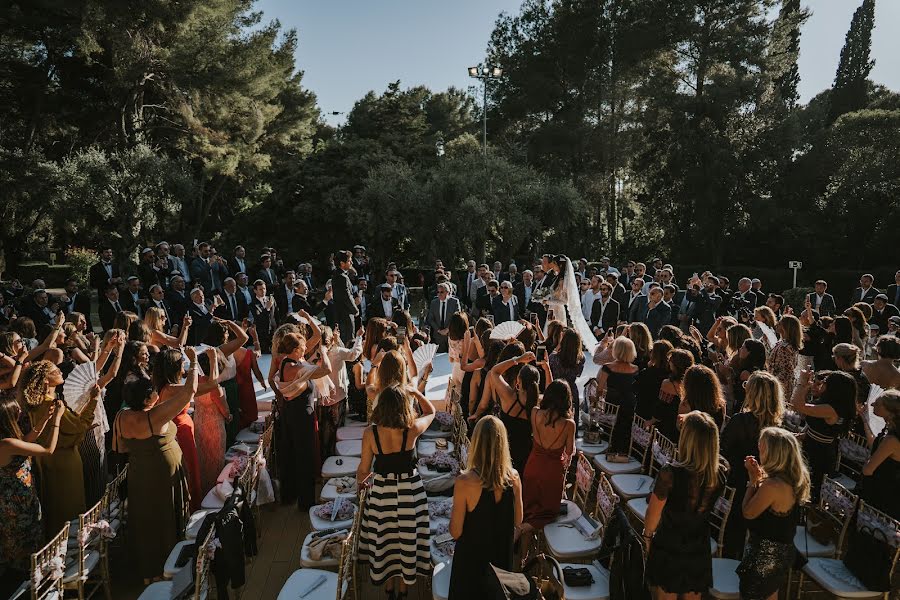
[
  {"x": 423, "y": 355},
  {"x": 77, "y": 387},
  {"x": 507, "y": 330}
]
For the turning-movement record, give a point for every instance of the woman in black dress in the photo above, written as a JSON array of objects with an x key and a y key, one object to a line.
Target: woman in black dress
[
  {"x": 487, "y": 510},
  {"x": 763, "y": 407},
  {"x": 777, "y": 485},
  {"x": 616, "y": 382},
  {"x": 881, "y": 473},
  {"x": 828, "y": 417},
  {"x": 679, "y": 561}
]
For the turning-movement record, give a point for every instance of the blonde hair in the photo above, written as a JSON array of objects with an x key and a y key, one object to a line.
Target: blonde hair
[
  {"x": 791, "y": 331},
  {"x": 489, "y": 454},
  {"x": 33, "y": 385},
  {"x": 784, "y": 460},
  {"x": 698, "y": 447},
  {"x": 764, "y": 398},
  {"x": 623, "y": 350},
  {"x": 155, "y": 318}
]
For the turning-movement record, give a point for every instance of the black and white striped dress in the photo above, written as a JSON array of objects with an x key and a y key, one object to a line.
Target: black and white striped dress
[{"x": 394, "y": 531}]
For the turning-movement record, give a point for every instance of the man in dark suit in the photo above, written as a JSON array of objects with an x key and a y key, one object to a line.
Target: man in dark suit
[
  {"x": 201, "y": 317},
  {"x": 267, "y": 273},
  {"x": 605, "y": 311},
  {"x": 234, "y": 304},
  {"x": 523, "y": 291},
  {"x": 133, "y": 298},
  {"x": 619, "y": 293},
  {"x": 238, "y": 262},
  {"x": 636, "y": 301},
  {"x": 505, "y": 307},
  {"x": 75, "y": 301},
  {"x": 882, "y": 310},
  {"x": 157, "y": 300},
  {"x": 104, "y": 272},
  {"x": 109, "y": 306},
  {"x": 384, "y": 305},
  {"x": 442, "y": 308},
  {"x": 658, "y": 312},
  {"x": 866, "y": 291},
  {"x": 893, "y": 290},
  {"x": 345, "y": 304},
  {"x": 822, "y": 301},
  {"x": 177, "y": 298}
]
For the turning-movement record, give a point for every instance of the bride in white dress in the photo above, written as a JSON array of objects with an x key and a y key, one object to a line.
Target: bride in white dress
[{"x": 565, "y": 301}]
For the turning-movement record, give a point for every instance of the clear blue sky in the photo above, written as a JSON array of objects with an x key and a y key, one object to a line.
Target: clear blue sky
[{"x": 348, "y": 47}]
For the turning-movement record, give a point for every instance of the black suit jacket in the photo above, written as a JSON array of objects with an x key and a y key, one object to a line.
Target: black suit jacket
[
  {"x": 97, "y": 277},
  {"x": 501, "y": 313},
  {"x": 226, "y": 312},
  {"x": 199, "y": 325},
  {"x": 868, "y": 297},
  {"x": 610, "y": 315}
]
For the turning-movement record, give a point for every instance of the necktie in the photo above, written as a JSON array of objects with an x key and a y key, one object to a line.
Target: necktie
[
  {"x": 234, "y": 312},
  {"x": 443, "y": 313}
]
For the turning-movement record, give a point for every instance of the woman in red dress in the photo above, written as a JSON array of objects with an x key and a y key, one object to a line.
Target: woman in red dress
[{"x": 551, "y": 452}]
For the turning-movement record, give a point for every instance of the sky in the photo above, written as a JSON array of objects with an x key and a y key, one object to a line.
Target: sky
[{"x": 349, "y": 47}]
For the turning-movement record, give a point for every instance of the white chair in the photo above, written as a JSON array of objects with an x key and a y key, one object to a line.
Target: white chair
[
  {"x": 349, "y": 447},
  {"x": 569, "y": 541},
  {"x": 584, "y": 479},
  {"x": 635, "y": 485},
  {"x": 833, "y": 576},
  {"x": 598, "y": 590},
  {"x": 48, "y": 562},
  {"x": 853, "y": 453},
  {"x": 440, "y": 580},
  {"x": 87, "y": 560},
  {"x": 339, "y": 466},
  {"x": 162, "y": 590},
  {"x": 836, "y": 504},
  {"x": 637, "y": 451}
]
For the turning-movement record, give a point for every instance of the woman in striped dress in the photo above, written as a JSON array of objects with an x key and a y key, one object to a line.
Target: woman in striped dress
[{"x": 395, "y": 532}]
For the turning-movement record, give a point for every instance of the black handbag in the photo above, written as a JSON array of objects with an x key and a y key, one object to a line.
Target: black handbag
[{"x": 577, "y": 576}]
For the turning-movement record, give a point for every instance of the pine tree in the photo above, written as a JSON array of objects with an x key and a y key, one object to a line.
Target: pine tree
[{"x": 850, "y": 92}]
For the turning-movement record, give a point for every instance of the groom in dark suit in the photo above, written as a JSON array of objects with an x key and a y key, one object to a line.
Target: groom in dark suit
[{"x": 345, "y": 304}]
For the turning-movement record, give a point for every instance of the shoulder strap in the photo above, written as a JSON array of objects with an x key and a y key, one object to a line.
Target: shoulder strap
[{"x": 377, "y": 441}]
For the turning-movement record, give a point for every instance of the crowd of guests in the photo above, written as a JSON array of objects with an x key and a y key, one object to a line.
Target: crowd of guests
[{"x": 725, "y": 374}]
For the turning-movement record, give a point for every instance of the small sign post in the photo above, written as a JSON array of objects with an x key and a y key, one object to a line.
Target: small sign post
[{"x": 796, "y": 265}]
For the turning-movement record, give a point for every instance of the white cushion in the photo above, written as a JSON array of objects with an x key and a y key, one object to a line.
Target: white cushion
[
  {"x": 573, "y": 514},
  {"x": 350, "y": 433},
  {"x": 631, "y": 485},
  {"x": 349, "y": 447},
  {"x": 427, "y": 448},
  {"x": 809, "y": 547},
  {"x": 309, "y": 563},
  {"x": 614, "y": 468},
  {"x": 566, "y": 541},
  {"x": 590, "y": 449},
  {"x": 301, "y": 579},
  {"x": 90, "y": 562},
  {"x": 599, "y": 590},
  {"x": 169, "y": 569},
  {"x": 348, "y": 466},
  {"x": 440, "y": 580},
  {"x": 247, "y": 436},
  {"x": 836, "y": 578},
  {"x": 639, "y": 507},
  {"x": 319, "y": 524},
  {"x": 726, "y": 583}
]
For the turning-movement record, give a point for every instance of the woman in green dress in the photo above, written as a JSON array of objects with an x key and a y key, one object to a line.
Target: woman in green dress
[
  {"x": 157, "y": 488},
  {"x": 61, "y": 474}
]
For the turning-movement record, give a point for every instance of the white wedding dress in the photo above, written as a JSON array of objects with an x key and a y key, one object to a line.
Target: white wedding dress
[{"x": 565, "y": 302}]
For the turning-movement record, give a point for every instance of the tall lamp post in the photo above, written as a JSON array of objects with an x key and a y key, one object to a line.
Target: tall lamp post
[{"x": 485, "y": 72}]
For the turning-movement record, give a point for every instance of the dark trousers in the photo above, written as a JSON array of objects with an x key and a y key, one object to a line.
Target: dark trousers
[{"x": 297, "y": 449}]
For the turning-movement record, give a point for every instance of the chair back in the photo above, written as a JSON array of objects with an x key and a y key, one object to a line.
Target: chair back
[
  {"x": 641, "y": 438},
  {"x": 584, "y": 479},
  {"x": 662, "y": 452},
  {"x": 853, "y": 452},
  {"x": 607, "y": 499},
  {"x": 48, "y": 566},
  {"x": 718, "y": 517}
]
